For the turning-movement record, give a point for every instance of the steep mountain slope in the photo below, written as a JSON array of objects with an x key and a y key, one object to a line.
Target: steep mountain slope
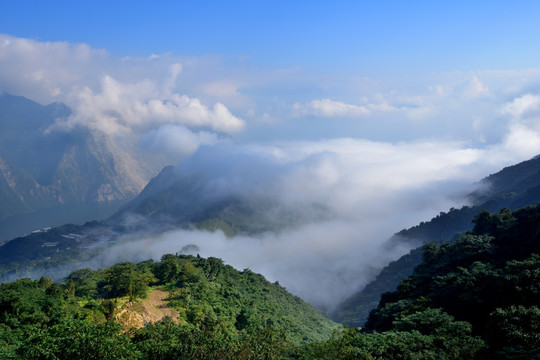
[
  {"x": 19, "y": 192},
  {"x": 42, "y": 168},
  {"x": 513, "y": 187}
]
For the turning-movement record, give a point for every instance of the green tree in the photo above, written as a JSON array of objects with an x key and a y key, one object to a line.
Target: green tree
[
  {"x": 168, "y": 269},
  {"x": 516, "y": 330},
  {"x": 84, "y": 282},
  {"x": 126, "y": 279},
  {"x": 76, "y": 339}
]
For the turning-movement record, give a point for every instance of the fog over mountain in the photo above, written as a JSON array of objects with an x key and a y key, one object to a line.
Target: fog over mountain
[
  {"x": 350, "y": 197},
  {"x": 356, "y": 158}
]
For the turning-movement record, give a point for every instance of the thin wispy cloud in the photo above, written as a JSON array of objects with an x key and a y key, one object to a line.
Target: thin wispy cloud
[{"x": 329, "y": 108}]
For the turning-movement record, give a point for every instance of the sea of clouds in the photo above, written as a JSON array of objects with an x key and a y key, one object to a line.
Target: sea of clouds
[{"x": 377, "y": 155}]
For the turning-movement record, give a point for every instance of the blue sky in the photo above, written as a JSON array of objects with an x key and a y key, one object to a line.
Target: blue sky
[
  {"x": 365, "y": 38},
  {"x": 283, "y": 70}
]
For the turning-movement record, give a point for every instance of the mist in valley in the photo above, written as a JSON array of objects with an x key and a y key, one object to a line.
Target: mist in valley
[
  {"x": 347, "y": 197},
  {"x": 336, "y": 164}
]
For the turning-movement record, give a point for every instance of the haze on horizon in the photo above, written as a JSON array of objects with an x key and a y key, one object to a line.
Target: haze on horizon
[{"x": 375, "y": 110}]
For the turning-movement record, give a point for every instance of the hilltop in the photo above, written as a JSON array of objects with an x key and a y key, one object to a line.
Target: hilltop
[{"x": 181, "y": 307}]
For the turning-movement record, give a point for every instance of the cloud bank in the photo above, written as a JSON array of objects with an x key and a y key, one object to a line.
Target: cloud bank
[{"x": 123, "y": 108}]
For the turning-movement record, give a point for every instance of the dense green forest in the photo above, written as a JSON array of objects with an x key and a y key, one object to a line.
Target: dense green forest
[{"x": 475, "y": 298}]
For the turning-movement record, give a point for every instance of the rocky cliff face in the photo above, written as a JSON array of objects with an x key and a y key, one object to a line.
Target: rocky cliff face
[
  {"x": 95, "y": 169},
  {"x": 19, "y": 191},
  {"x": 41, "y": 168}
]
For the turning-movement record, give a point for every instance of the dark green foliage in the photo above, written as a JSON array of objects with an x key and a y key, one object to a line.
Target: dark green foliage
[
  {"x": 77, "y": 339},
  {"x": 10, "y": 341},
  {"x": 168, "y": 270},
  {"x": 208, "y": 291},
  {"x": 83, "y": 282},
  {"x": 127, "y": 279},
  {"x": 488, "y": 280},
  {"x": 515, "y": 329},
  {"x": 27, "y": 302},
  {"x": 165, "y": 340},
  {"x": 353, "y": 344}
]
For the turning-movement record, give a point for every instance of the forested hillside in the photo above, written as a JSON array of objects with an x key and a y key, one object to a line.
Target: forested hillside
[
  {"x": 219, "y": 313},
  {"x": 513, "y": 187}
]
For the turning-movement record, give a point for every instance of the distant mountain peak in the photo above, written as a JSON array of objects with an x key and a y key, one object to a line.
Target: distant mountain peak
[{"x": 51, "y": 168}]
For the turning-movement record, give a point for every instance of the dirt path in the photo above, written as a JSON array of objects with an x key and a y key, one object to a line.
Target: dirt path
[{"x": 150, "y": 310}]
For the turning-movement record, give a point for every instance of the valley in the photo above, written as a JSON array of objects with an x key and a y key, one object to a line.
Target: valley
[
  {"x": 269, "y": 180},
  {"x": 23, "y": 224}
]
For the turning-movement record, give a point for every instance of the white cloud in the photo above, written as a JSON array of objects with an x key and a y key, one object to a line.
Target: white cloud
[
  {"x": 221, "y": 89},
  {"x": 329, "y": 108},
  {"x": 471, "y": 88},
  {"x": 125, "y": 107},
  {"x": 522, "y": 115},
  {"x": 204, "y": 92},
  {"x": 107, "y": 94},
  {"x": 523, "y": 141},
  {"x": 177, "y": 141},
  {"x": 523, "y": 106},
  {"x": 442, "y": 110},
  {"x": 45, "y": 70}
]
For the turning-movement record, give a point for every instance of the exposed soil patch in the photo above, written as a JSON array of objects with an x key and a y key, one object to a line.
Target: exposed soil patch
[{"x": 149, "y": 310}]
